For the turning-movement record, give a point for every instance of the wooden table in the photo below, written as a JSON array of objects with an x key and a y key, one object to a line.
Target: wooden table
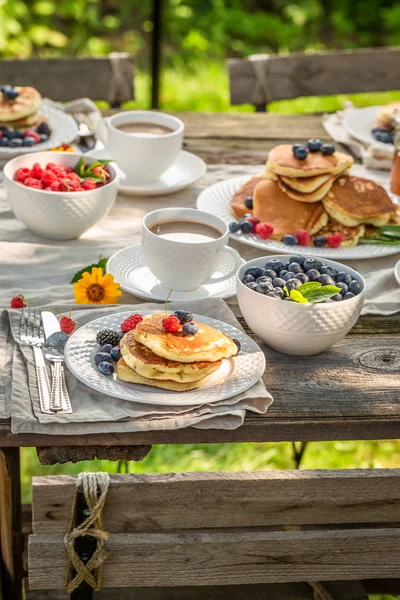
[{"x": 349, "y": 393}]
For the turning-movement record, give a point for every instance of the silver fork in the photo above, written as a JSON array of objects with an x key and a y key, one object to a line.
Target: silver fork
[{"x": 31, "y": 333}]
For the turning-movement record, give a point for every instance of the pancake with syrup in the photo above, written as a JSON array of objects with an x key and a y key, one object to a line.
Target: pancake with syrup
[
  {"x": 208, "y": 344},
  {"x": 150, "y": 365},
  {"x": 238, "y": 206},
  {"x": 355, "y": 200},
  {"x": 282, "y": 161},
  {"x": 351, "y": 235},
  {"x": 26, "y": 103},
  {"x": 126, "y": 373},
  {"x": 272, "y": 205}
]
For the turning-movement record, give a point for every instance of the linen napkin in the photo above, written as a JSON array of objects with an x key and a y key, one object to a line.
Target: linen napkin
[{"x": 97, "y": 413}]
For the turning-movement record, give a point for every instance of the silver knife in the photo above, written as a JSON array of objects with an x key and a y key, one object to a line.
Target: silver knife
[{"x": 60, "y": 400}]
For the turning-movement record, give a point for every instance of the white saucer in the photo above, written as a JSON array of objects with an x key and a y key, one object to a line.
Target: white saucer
[
  {"x": 187, "y": 169},
  {"x": 397, "y": 272},
  {"x": 135, "y": 277}
]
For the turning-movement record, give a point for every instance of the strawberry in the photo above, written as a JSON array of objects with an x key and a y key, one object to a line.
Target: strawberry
[
  {"x": 334, "y": 240},
  {"x": 18, "y": 302},
  {"x": 303, "y": 237},
  {"x": 67, "y": 324},
  {"x": 131, "y": 322},
  {"x": 264, "y": 230},
  {"x": 171, "y": 324}
]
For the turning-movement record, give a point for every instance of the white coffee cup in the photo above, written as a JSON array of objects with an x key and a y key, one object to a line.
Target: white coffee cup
[
  {"x": 144, "y": 156},
  {"x": 185, "y": 265}
]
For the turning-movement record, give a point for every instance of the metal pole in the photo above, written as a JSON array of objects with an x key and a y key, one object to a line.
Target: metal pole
[{"x": 156, "y": 54}]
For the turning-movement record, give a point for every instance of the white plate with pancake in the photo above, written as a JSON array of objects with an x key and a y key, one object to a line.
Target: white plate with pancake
[
  {"x": 236, "y": 374},
  {"x": 216, "y": 200},
  {"x": 359, "y": 124},
  {"x": 63, "y": 131}
]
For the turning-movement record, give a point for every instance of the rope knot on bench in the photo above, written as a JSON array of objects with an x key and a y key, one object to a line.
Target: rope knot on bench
[{"x": 95, "y": 487}]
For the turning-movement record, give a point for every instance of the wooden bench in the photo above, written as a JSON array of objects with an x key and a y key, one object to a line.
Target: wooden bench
[
  {"x": 229, "y": 529},
  {"x": 107, "y": 78},
  {"x": 264, "y": 78}
]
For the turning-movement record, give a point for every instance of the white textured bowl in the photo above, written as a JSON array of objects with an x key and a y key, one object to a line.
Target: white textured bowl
[
  {"x": 298, "y": 329},
  {"x": 57, "y": 215}
]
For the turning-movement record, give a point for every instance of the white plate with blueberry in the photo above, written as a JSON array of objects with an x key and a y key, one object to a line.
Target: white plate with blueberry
[
  {"x": 236, "y": 374},
  {"x": 216, "y": 200},
  {"x": 360, "y": 123},
  {"x": 59, "y": 128}
]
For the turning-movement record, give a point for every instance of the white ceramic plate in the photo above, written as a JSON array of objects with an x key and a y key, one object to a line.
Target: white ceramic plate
[
  {"x": 216, "y": 200},
  {"x": 359, "y": 123},
  {"x": 187, "y": 169},
  {"x": 235, "y": 375},
  {"x": 63, "y": 131},
  {"x": 135, "y": 277}
]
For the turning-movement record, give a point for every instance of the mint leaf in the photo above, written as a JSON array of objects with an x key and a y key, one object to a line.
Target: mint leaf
[
  {"x": 322, "y": 293},
  {"x": 308, "y": 287},
  {"x": 389, "y": 231},
  {"x": 296, "y": 296},
  {"x": 101, "y": 265},
  {"x": 80, "y": 167}
]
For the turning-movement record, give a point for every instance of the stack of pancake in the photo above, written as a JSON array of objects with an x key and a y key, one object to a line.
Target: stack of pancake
[
  {"x": 316, "y": 195},
  {"x": 22, "y": 112},
  {"x": 172, "y": 361}
]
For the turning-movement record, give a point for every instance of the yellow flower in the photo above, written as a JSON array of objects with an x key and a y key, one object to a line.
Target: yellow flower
[{"x": 96, "y": 288}]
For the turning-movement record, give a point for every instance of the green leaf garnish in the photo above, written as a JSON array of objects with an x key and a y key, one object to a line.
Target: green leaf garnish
[
  {"x": 387, "y": 234},
  {"x": 308, "y": 287},
  {"x": 100, "y": 265},
  {"x": 166, "y": 302},
  {"x": 297, "y": 296},
  {"x": 80, "y": 167},
  {"x": 322, "y": 293}
]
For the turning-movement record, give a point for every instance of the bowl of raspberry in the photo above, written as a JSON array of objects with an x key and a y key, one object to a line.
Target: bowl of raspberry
[
  {"x": 299, "y": 305},
  {"x": 60, "y": 195}
]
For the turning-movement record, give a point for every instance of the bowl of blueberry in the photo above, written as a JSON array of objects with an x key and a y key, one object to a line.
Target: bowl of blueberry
[{"x": 299, "y": 305}]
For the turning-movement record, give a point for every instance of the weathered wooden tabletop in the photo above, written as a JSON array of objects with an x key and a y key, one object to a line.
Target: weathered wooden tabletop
[{"x": 350, "y": 392}]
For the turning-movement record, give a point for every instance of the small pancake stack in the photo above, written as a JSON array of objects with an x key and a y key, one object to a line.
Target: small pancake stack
[
  {"x": 19, "y": 107},
  {"x": 314, "y": 194},
  {"x": 172, "y": 361}
]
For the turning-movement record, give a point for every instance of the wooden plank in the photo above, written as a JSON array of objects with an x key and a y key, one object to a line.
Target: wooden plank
[
  {"x": 223, "y": 500},
  {"x": 71, "y": 77},
  {"x": 322, "y": 74},
  {"x": 244, "y": 557}
]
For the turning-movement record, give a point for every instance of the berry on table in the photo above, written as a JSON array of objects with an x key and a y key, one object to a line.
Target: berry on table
[
  {"x": 18, "y": 302},
  {"x": 327, "y": 149},
  {"x": 249, "y": 203},
  {"x": 190, "y": 328},
  {"x": 184, "y": 316},
  {"x": 102, "y": 357},
  {"x": 28, "y": 141},
  {"x": 355, "y": 287},
  {"x": 115, "y": 353},
  {"x": 171, "y": 324},
  {"x": 314, "y": 145},
  {"x": 130, "y": 323},
  {"x": 246, "y": 227},
  {"x": 43, "y": 128},
  {"x": 300, "y": 151},
  {"x": 254, "y": 221},
  {"x": 106, "y": 348},
  {"x": 319, "y": 242},
  {"x": 67, "y": 324},
  {"x": 105, "y": 368},
  {"x": 303, "y": 237},
  {"x": 234, "y": 227},
  {"x": 290, "y": 240},
  {"x": 334, "y": 240},
  {"x": 264, "y": 230},
  {"x": 107, "y": 336},
  {"x": 32, "y": 134}
]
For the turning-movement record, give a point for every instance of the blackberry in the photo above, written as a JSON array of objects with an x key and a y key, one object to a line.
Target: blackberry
[
  {"x": 107, "y": 336},
  {"x": 43, "y": 128}
]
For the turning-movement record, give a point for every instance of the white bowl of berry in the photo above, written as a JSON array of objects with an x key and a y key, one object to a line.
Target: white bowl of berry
[
  {"x": 299, "y": 305},
  {"x": 60, "y": 195}
]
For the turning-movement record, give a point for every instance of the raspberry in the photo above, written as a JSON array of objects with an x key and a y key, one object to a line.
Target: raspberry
[
  {"x": 22, "y": 174},
  {"x": 67, "y": 324},
  {"x": 303, "y": 237},
  {"x": 48, "y": 177},
  {"x": 57, "y": 169},
  {"x": 131, "y": 322},
  {"x": 89, "y": 184},
  {"x": 33, "y": 134},
  {"x": 264, "y": 230},
  {"x": 69, "y": 185},
  {"x": 171, "y": 324},
  {"x": 254, "y": 221},
  {"x": 55, "y": 186},
  {"x": 37, "y": 171},
  {"x": 33, "y": 183},
  {"x": 18, "y": 302},
  {"x": 334, "y": 240}
]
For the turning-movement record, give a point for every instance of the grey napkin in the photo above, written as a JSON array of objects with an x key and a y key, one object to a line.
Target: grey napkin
[{"x": 97, "y": 413}]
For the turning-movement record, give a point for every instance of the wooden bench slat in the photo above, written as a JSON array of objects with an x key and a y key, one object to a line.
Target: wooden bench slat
[
  {"x": 218, "y": 500},
  {"x": 193, "y": 558}
]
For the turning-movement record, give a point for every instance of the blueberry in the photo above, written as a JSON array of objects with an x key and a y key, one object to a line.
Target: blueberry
[
  {"x": 297, "y": 259},
  {"x": 290, "y": 240},
  {"x": 256, "y": 272},
  {"x": 337, "y": 297},
  {"x": 234, "y": 226},
  {"x": 274, "y": 264},
  {"x": 190, "y": 328},
  {"x": 343, "y": 276},
  {"x": 15, "y": 134},
  {"x": 4, "y": 88},
  {"x": 320, "y": 241},
  {"x": 270, "y": 273},
  {"x": 246, "y": 227},
  {"x": 327, "y": 149},
  {"x": 348, "y": 296},
  {"x": 326, "y": 280},
  {"x": 264, "y": 279},
  {"x": 237, "y": 344},
  {"x": 289, "y": 275},
  {"x": 121, "y": 334},
  {"x": 300, "y": 151},
  {"x": 28, "y": 141},
  {"x": 102, "y": 357},
  {"x": 184, "y": 316},
  {"x": 252, "y": 285},
  {"x": 115, "y": 353},
  {"x": 249, "y": 203},
  {"x": 106, "y": 368},
  {"x": 43, "y": 138},
  {"x": 283, "y": 272},
  {"x": 248, "y": 278},
  {"x": 43, "y": 128},
  {"x": 313, "y": 275},
  {"x": 314, "y": 145},
  {"x": 286, "y": 265},
  {"x": 382, "y": 134},
  {"x": 302, "y": 277},
  {"x": 294, "y": 267},
  {"x": 263, "y": 288},
  {"x": 278, "y": 282},
  {"x": 355, "y": 287},
  {"x": 106, "y": 348},
  {"x": 272, "y": 294},
  {"x": 57, "y": 340},
  {"x": 4, "y": 141},
  {"x": 311, "y": 263},
  {"x": 343, "y": 287},
  {"x": 325, "y": 270},
  {"x": 15, "y": 143},
  {"x": 278, "y": 291},
  {"x": 292, "y": 284}
]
